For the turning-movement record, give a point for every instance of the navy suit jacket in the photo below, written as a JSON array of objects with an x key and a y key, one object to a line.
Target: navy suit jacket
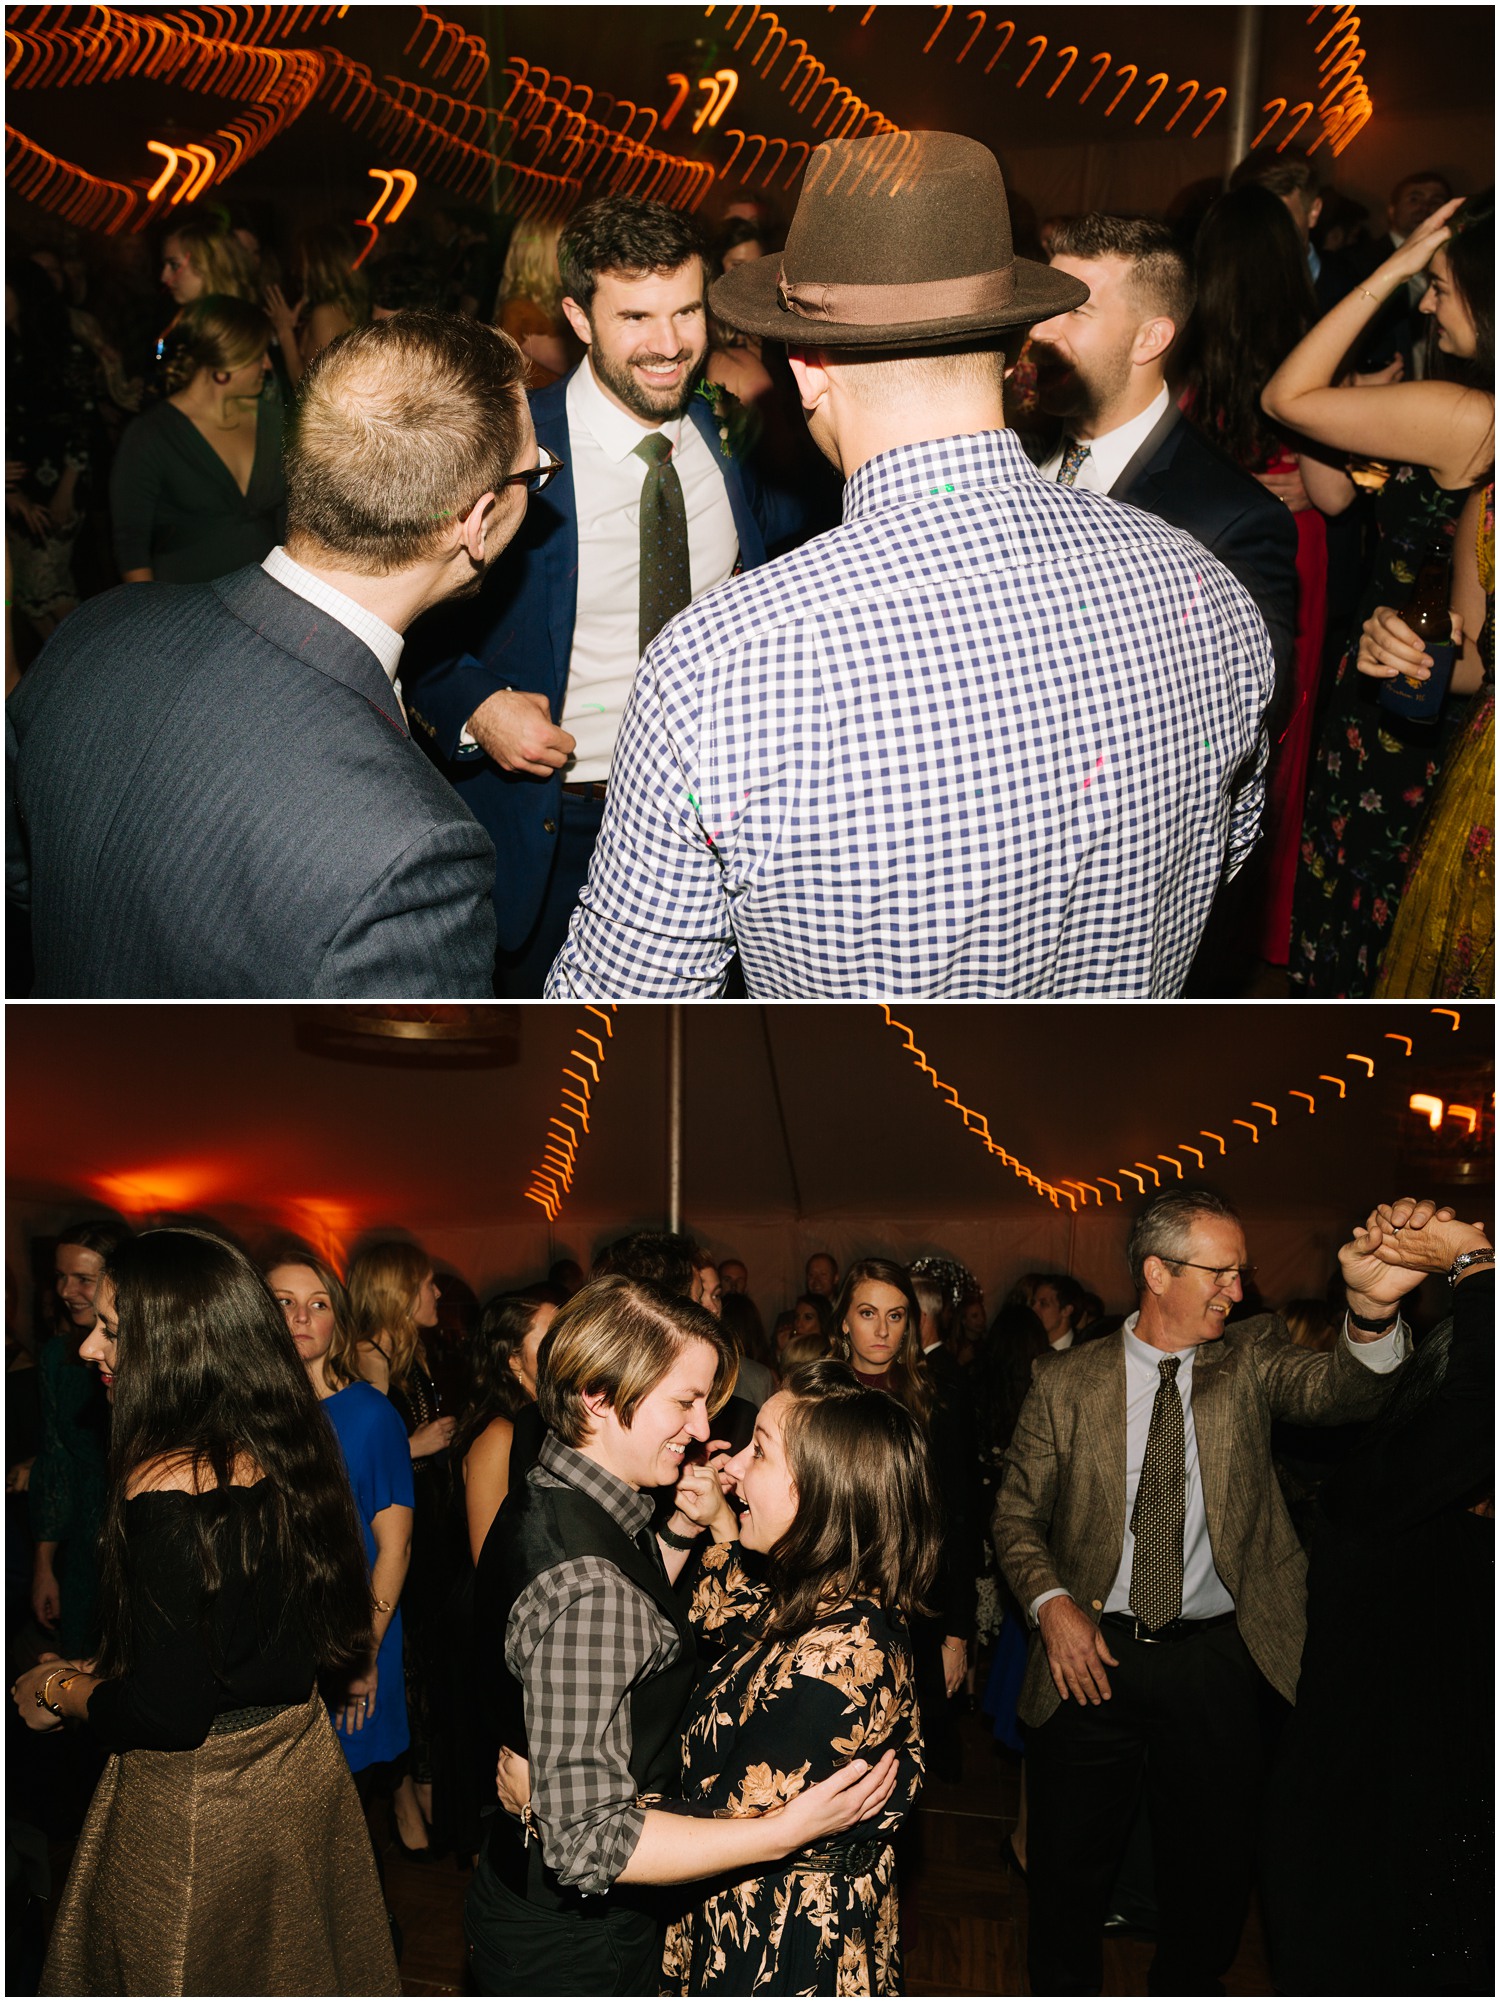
[
  {"x": 518, "y": 633},
  {"x": 213, "y": 793},
  {"x": 1181, "y": 478}
]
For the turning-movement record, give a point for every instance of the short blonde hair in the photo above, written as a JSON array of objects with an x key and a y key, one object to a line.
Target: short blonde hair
[{"x": 617, "y": 1338}]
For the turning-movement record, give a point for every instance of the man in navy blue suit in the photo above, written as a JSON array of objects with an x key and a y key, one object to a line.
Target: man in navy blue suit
[{"x": 521, "y": 691}]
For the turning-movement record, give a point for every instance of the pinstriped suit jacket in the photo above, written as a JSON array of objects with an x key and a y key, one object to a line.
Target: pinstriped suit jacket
[
  {"x": 218, "y": 796},
  {"x": 1060, "y": 1516}
]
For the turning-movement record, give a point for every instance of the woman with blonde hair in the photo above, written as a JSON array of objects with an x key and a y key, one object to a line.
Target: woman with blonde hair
[
  {"x": 197, "y": 488},
  {"x": 528, "y": 304},
  {"x": 335, "y": 298},
  {"x": 201, "y": 256},
  {"x": 393, "y": 1296}
]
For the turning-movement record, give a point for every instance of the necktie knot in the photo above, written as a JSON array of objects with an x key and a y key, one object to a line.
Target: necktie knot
[
  {"x": 655, "y": 449},
  {"x": 1166, "y": 1369}
]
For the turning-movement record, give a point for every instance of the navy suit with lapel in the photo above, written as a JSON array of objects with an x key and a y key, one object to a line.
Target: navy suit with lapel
[
  {"x": 518, "y": 633},
  {"x": 215, "y": 794}
]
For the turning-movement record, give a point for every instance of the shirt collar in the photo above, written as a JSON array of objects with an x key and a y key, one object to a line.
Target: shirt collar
[
  {"x": 1112, "y": 452},
  {"x": 630, "y": 1508},
  {"x": 1148, "y": 1357},
  {"x": 614, "y": 431},
  {"x": 383, "y": 641},
  {"x": 934, "y": 469}
]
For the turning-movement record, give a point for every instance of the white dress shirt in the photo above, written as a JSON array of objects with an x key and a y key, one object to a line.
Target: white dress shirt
[
  {"x": 1110, "y": 455},
  {"x": 383, "y": 641},
  {"x": 1204, "y": 1593},
  {"x": 607, "y": 482}
]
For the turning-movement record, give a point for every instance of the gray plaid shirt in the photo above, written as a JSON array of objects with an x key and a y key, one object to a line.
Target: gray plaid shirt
[{"x": 579, "y": 1638}]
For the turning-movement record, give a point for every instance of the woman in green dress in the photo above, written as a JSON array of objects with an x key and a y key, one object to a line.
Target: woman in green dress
[{"x": 197, "y": 488}]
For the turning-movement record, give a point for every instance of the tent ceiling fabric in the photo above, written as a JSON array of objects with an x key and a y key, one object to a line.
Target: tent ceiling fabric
[{"x": 817, "y": 1111}]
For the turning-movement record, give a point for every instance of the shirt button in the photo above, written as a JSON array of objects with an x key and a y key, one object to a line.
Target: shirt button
[
  {"x": 549, "y": 827},
  {"x": 1097, "y": 1604}
]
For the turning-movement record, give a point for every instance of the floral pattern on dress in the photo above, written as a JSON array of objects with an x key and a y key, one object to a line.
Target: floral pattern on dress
[
  {"x": 1372, "y": 775},
  {"x": 770, "y": 1718}
]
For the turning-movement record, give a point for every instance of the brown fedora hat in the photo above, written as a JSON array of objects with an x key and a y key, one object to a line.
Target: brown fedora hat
[{"x": 900, "y": 241}]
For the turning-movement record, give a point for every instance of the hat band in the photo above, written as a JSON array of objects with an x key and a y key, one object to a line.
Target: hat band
[{"x": 899, "y": 305}]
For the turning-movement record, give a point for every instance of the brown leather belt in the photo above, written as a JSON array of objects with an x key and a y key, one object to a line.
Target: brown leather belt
[
  {"x": 595, "y": 790},
  {"x": 1174, "y": 1630}
]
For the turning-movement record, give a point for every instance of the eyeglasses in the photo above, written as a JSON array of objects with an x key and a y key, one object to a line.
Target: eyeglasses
[
  {"x": 547, "y": 468},
  {"x": 1224, "y": 1275}
]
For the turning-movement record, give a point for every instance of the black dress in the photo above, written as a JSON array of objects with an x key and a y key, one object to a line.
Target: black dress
[
  {"x": 1378, "y": 1868},
  {"x": 431, "y": 1577}
]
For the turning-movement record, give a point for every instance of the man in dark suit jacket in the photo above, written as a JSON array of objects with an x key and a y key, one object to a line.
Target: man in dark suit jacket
[
  {"x": 1099, "y": 1514},
  {"x": 1398, "y": 329},
  {"x": 213, "y": 787},
  {"x": 521, "y": 692}
]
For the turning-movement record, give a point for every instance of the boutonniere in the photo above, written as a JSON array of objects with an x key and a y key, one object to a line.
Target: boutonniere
[{"x": 723, "y": 407}]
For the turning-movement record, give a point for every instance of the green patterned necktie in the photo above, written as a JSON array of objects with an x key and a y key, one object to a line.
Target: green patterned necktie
[
  {"x": 666, "y": 585},
  {"x": 1160, "y": 1508}
]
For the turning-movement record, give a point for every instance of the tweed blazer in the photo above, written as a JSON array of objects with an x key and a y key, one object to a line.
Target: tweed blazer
[
  {"x": 1060, "y": 1515},
  {"x": 213, "y": 792}
]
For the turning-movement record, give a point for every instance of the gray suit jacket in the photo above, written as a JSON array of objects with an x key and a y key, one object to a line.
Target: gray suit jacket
[
  {"x": 214, "y": 793},
  {"x": 1060, "y": 1516}
]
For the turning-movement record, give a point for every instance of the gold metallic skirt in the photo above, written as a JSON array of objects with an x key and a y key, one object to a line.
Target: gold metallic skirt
[{"x": 241, "y": 1868}]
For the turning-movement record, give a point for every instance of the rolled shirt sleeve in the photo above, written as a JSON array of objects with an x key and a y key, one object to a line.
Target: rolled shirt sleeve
[{"x": 579, "y": 1638}]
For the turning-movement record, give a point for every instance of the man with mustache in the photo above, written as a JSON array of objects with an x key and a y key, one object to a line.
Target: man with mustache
[{"x": 522, "y": 693}]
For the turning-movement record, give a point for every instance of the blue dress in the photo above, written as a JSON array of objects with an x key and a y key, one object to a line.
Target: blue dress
[{"x": 373, "y": 1442}]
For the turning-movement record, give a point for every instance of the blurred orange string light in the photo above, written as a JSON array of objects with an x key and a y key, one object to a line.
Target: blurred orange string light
[{"x": 552, "y": 1180}]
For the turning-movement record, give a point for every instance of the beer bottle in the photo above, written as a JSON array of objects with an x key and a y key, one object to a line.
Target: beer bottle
[{"x": 1426, "y": 612}]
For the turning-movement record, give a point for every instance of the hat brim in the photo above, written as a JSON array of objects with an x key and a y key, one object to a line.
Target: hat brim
[{"x": 748, "y": 298}]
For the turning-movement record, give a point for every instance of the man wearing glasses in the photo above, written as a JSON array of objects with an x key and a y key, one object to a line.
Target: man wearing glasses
[
  {"x": 214, "y": 789},
  {"x": 1141, "y": 1524},
  {"x": 522, "y": 692}
]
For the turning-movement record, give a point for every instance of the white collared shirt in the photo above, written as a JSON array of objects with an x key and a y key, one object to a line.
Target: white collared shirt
[
  {"x": 383, "y": 641},
  {"x": 1204, "y": 1593},
  {"x": 1110, "y": 455},
  {"x": 607, "y": 482}
]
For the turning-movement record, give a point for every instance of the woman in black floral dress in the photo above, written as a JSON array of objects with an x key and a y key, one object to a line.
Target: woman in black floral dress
[
  {"x": 814, "y": 1669},
  {"x": 1373, "y": 772}
]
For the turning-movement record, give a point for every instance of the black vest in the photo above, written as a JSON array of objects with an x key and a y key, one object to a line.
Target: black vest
[{"x": 536, "y": 1529}]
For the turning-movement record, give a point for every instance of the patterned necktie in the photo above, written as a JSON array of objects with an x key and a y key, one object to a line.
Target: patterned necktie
[
  {"x": 1073, "y": 457},
  {"x": 665, "y": 583},
  {"x": 1160, "y": 1506}
]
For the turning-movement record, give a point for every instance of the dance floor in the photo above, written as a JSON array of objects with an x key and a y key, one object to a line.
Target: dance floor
[{"x": 963, "y": 1923}]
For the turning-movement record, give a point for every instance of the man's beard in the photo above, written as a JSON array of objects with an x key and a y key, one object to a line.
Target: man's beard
[{"x": 656, "y": 406}]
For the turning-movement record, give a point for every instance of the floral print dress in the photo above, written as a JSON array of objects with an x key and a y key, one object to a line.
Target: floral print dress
[
  {"x": 1372, "y": 774},
  {"x": 770, "y": 1718}
]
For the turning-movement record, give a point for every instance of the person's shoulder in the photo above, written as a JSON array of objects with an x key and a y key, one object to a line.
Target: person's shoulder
[
  {"x": 549, "y": 406},
  {"x": 368, "y": 1411}
]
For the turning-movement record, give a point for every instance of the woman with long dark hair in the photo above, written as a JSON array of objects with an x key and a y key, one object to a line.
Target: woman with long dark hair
[
  {"x": 224, "y": 1850},
  {"x": 1255, "y": 301},
  {"x": 1374, "y": 771},
  {"x": 504, "y": 1358}
]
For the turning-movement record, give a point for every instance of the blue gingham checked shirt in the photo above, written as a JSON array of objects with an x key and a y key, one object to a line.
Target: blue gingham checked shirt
[{"x": 989, "y": 737}]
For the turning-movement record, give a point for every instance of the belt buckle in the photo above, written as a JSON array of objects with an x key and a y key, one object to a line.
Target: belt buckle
[{"x": 1141, "y": 1633}]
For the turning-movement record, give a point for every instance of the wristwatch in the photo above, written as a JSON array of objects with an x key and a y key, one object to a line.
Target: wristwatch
[{"x": 1465, "y": 1259}]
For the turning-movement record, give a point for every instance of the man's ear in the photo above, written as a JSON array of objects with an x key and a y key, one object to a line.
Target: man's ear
[
  {"x": 810, "y": 376},
  {"x": 478, "y": 526},
  {"x": 578, "y": 320},
  {"x": 1155, "y": 1275},
  {"x": 1153, "y": 338}
]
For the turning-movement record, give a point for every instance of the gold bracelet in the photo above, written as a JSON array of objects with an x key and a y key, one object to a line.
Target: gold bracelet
[
  {"x": 43, "y": 1701},
  {"x": 1368, "y": 294}
]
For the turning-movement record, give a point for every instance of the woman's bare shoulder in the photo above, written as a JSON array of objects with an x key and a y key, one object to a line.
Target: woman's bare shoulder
[{"x": 181, "y": 1473}]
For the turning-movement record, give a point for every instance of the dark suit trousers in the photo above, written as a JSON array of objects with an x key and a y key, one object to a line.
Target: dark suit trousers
[
  {"x": 1183, "y": 1723},
  {"x": 520, "y": 975}
]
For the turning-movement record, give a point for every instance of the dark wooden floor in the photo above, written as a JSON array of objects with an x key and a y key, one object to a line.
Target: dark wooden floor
[{"x": 964, "y": 1920}]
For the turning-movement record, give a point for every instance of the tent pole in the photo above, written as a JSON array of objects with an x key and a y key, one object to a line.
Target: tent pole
[
  {"x": 1247, "y": 40},
  {"x": 675, "y": 1042}
]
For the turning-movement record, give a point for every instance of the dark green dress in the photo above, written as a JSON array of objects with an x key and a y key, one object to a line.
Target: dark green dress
[
  {"x": 1372, "y": 774},
  {"x": 770, "y": 1718},
  {"x": 174, "y": 503}
]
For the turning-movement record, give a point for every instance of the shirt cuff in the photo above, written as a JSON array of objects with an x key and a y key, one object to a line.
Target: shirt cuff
[
  {"x": 1057, "y": 1592},
  {"x": 1386, "y": 1354}
]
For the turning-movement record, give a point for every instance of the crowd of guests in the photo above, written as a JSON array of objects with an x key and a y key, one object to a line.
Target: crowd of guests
[
  {"x": 1310, "y": 402},
  {"x": 660, "y": 1618}
]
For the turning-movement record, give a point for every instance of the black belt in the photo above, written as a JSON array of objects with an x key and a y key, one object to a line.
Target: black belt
[
  {"x": 594, "y": 790},
  {"x": 851, "y": 1859},
  {"x": 1174, "y": 1630},
  {"x": 229, "y": 1721}
]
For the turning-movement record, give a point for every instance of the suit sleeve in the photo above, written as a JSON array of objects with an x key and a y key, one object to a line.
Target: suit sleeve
[
  {"x": 1309, "y": 1388},
  {"x": 426, "y": 928},
  {"x": 652, "y": 921},
  {"x": 1259, "y": 546},
  {"x": 1028, "y": 1495}
]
